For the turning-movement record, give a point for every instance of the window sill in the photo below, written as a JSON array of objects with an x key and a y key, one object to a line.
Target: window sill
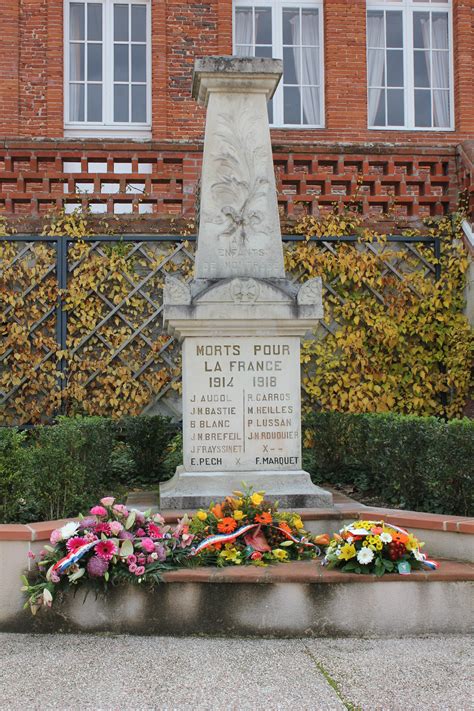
[
  {"x": 399, "y": 129},
  {"x": 132, "y": 133}
]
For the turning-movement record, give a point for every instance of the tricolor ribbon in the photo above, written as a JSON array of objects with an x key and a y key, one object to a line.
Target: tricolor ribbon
[
  {"x": 231, "y": 537},
  {"x": 222, "y": 538},
  {"x": 73, "y": 557}
]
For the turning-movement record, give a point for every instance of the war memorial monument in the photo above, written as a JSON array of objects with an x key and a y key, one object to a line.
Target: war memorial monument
[{"x": 240, "y": 319}]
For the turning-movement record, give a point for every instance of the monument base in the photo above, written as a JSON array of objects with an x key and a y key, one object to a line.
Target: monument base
[{"x": 196, "y": 489}]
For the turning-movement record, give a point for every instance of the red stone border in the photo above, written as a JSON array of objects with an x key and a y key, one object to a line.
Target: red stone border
[
  {"x": 312, "y": 572},
  {"x": 41, "y": 531}
]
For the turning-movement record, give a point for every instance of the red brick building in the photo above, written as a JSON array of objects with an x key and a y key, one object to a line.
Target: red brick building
[{"x": 96, "y": 103}]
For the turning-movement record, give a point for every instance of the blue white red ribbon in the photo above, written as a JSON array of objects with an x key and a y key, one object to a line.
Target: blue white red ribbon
[
  {"x": 220, "y": 538},
  {"x": 73, "y": 557}
]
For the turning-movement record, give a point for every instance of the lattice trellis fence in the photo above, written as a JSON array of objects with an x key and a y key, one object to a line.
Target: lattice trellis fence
[{"x": 81, "y": 320}]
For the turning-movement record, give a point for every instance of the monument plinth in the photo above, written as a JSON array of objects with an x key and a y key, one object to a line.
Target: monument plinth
[{"x": 240, "y": 319}]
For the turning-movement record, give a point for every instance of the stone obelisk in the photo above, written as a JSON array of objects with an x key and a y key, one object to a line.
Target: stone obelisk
[{"x": 240, "y": 320}]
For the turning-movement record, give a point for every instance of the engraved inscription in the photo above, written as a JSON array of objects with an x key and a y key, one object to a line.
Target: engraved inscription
[{"x": 241, "y": 404}]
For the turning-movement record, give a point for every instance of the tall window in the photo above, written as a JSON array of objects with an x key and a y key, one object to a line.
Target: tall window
[
  {"x": 290, "y": 30},
  {"x": 409, "y": 64},
  {"x": 107, "y": 67}
]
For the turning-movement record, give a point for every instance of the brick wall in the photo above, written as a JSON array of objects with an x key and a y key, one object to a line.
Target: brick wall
[
  {"x": 155, "y": 180},
  {"x": 32, "y": 61},
  {"x": 406, "y": 174}
]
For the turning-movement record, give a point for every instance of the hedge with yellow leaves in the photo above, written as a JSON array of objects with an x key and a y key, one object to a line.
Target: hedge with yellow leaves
[
  {"x": 394, "y": 344},
  {"x": 398, "y": 341}
]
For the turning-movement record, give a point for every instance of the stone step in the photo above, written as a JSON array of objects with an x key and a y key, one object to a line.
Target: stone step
[{"x": 290, "y": 600}]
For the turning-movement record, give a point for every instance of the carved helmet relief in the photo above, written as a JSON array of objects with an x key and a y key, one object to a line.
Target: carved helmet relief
[{"x": 244, "y": 290}]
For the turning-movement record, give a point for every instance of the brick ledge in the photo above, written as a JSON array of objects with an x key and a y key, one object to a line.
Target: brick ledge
[{"x": 41, "y": 530}]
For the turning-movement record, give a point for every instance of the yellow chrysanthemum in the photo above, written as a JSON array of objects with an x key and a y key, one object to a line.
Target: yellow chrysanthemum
[
  {"x": 202, "y": 515},
  {"x": 238, "y": 515},
  {"x": 279, "y": 554},
  {"x": 379, "y": 545},
  {"x": 256, "y": 499}
]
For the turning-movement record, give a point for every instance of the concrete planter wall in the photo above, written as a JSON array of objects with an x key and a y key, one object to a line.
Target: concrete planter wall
[{"x": 286, "y": 600}]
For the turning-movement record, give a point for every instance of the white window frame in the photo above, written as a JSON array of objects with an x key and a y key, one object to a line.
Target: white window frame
[
  {"x": 407, "y": 8},
  {"x": 107, "y": 128},
  {"x": 277, "y": 51}
]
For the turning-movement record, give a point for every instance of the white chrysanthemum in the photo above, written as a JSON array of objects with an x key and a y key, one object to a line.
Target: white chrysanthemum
[
  {"x": 385, "y": 537},
  {"x": 70, "y": 529},
  {"x": 365, "y": 556},
  {"x": 417, "y": 554}
]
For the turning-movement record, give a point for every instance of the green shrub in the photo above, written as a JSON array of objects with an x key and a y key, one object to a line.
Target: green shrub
[
  {"x": 56, "y": 471},
  {"x": 147, "y": 438},
  {"x": 419, "y": 463},
  {"x": 12, "y": 473}
]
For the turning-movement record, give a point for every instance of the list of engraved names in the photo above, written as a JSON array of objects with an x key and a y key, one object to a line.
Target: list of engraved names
[{"x": 241, "y": 404}]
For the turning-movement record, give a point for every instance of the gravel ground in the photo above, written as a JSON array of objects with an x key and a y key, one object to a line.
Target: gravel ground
[{"x": 110, "y": 673}]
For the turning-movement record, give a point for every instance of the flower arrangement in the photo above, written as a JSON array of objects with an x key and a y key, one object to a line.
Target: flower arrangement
[
  {"x": 375, "y": 547},
  {"x": 113, "y": 544},
  {"x": 110, "y": 545},
  {"x": 246, "y": 528}
]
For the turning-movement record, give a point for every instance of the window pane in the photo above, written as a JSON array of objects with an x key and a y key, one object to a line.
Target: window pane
[
  {"x": 375, "y": 29},
  {"x": 421, "y": 30},
  {"x": 376, "y": 70},
  {"x": 244, "y": 51},
  {"x": 310, "y": 65},
  {"x": 440, "y": 30},
  {"x": 139, "y": 104},
  {"x": 291, "y": 65},
  {"x": 138, "y": 23},
  {"x": 243, "y": 26},
  {"x": 270, "y": 111},
  {"x": 440, "y": 68},
  {"x": 76, "y": 102},
  {"x": 395, "y": 107},
  {"x": 263, "y": 25},
  {"x": 292, "y": 105},
  {"x": 76, "y": 23},
  {"x": 376, "y": 107},
  {"x": 94, "y": 21},
  {"x": 76, "y": 62},
  {"x": 291, "y": 27},
  {"x": 138, "y": 62},
  {"x": 94, "y": 102},
  {"x": 310, "y": 27},
  {"x": 422, "y": 108},
  {"x": 311, "y": 113},
  {"x": 394, "y": 67},
  {"x": 441, "y": 117},
  {"x": 94, "y": 62},
  {"x": 121, "y": 102},
  {"x": 121, "y": 62},
  {"x": 263, "y": 52},
  {"x": 422, "y": 68},
  {"x": 394, "y": 29},
  {"x": 121, "y": 23}
]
